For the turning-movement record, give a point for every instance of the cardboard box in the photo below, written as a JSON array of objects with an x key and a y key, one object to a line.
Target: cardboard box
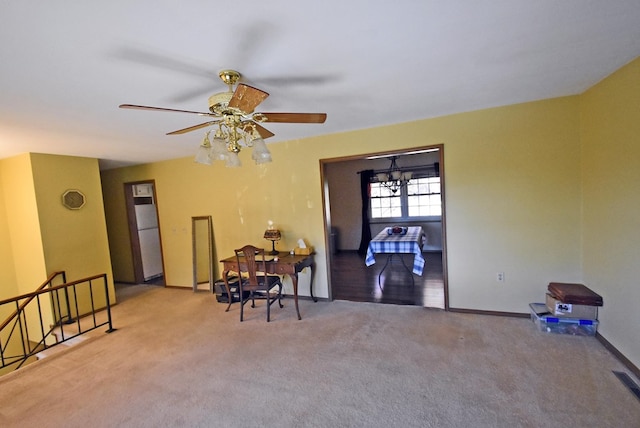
[
  {"x": 550, "y": 324},
  {"x": 303, "y": 251},
  {"x": 569, "y": 310}
]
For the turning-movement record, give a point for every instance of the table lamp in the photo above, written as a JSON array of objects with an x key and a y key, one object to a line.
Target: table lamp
[{"x": 272, "y": 235}]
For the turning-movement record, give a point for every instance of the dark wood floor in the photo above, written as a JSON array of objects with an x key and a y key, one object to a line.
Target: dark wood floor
[{"x": 352, "y": 280}]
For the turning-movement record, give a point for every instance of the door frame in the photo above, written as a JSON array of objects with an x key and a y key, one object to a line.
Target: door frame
[{"x": 326, "y": 206}]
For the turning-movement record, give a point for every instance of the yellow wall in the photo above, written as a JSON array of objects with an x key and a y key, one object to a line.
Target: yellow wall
[
  {"x": 73, "y": 240},
  {"x": 23, "y": 225},
  {"x": 117, "y": 227},
  {"x": 611, "y": 204},
  {"x": 512, "y": 195},
  {"x": 8, "y": 283},
  {"x": 23, "y": 234},
  {"x": 512, "y": 203},
  {"x": 38, "y": 234},
  {"x": 7, "y": 267}
]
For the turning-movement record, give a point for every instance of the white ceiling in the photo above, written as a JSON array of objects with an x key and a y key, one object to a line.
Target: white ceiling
[{"x": 66, "y": 65}]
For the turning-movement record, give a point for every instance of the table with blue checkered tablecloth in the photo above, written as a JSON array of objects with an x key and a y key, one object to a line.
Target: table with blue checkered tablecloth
[{"x": 409, "y": 243}]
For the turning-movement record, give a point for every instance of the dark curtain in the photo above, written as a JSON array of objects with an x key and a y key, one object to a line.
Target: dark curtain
[{"x": 365, "y": 179}]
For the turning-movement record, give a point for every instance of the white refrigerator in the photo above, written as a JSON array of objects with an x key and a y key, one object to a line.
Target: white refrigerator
[{"x": 149, "y": 237}]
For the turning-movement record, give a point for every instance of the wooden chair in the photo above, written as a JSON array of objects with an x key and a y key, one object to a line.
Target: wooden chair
[{"x": 252, "y": 264}]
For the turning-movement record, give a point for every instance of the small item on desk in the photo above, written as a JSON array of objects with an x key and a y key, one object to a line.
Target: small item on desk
[
  {"x": 275, "y": 259},
  {"x": 302, "y": 249}
]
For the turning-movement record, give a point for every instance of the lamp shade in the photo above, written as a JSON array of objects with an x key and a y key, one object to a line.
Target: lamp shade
[{"x": 272, "y": 234}]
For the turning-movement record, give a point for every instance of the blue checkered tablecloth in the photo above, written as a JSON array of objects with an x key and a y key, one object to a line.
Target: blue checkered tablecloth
[{"x": 411, "y": 243}]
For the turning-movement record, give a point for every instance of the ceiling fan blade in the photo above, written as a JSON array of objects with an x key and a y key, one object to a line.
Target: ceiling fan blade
[
  {"x": 246, "y": 98},
  {"x": 291, "y": 117},
  {"x": 264, "y": 132},
  {"x": 193, "y": 128},
  {"x": 290, "y": 80},
  {"x": 136, "y": 107}
]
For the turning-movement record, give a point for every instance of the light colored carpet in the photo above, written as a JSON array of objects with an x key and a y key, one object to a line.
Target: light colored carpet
[{"x": 177, "y": 359}]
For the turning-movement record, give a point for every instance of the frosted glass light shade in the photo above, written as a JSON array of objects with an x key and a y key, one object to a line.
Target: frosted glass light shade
[
  {"x": 382, "y": 176},
  {"x": 263, "y": 158},
  {"x": 203, "y": 155},
  {"x": 233, "y": 160},
  {"x": 260, "y": 152},
  {"x": 219, "y": 149}
]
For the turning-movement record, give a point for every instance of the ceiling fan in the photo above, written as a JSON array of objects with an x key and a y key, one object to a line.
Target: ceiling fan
[{"x": 233, "y": 112}]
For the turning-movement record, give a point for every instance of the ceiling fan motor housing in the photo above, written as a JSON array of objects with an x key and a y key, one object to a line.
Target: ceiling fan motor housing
[{"x": 219, "y": 102}]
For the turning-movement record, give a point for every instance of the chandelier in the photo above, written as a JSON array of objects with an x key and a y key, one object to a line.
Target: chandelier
[
  {"x": 394, "y": 178},
  {"x": 227, "y": 142}
]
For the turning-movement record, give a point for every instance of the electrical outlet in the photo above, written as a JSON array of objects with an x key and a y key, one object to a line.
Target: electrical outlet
[{"x": 500, "y": 277}]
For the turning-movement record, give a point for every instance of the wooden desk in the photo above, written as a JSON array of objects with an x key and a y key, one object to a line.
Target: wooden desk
[{"x": 287, "y": 264}]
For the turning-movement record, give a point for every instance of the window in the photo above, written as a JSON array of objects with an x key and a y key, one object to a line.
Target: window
[
  {"x": 384, "y": 203},
  {"x": 419, "y": 198},
  {"x": 424, "y": 197}
]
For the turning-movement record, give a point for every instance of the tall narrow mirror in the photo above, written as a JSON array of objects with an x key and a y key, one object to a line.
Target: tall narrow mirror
[{"x": 202, "y": 245}]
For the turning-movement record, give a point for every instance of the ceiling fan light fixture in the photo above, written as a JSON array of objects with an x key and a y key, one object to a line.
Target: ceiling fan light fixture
[
  {"x": 264, "y": 158},
  {"x": 203, "y": 155},
  {"x": 233, "y": 160},
  {"x": 238, "y": 123},
  {"x": 260, "y": 153},
  {"x": 261, "y": 156},
  {"x": 259, "y": 146},
  {"x": 219, "y": 148}
]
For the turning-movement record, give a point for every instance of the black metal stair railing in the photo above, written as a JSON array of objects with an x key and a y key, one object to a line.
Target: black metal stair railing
[{"x": 52, "y": 315}]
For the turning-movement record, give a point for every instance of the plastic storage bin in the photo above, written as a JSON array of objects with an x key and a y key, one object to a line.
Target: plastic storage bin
[
  {"x": 547, "y": 323},
  {"x": 221, "y": 290}
]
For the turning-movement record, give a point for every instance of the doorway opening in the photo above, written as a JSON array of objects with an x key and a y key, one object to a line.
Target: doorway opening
[
  {"x": 144, "y": 231},
  {"x": 349, "y": 278}
]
